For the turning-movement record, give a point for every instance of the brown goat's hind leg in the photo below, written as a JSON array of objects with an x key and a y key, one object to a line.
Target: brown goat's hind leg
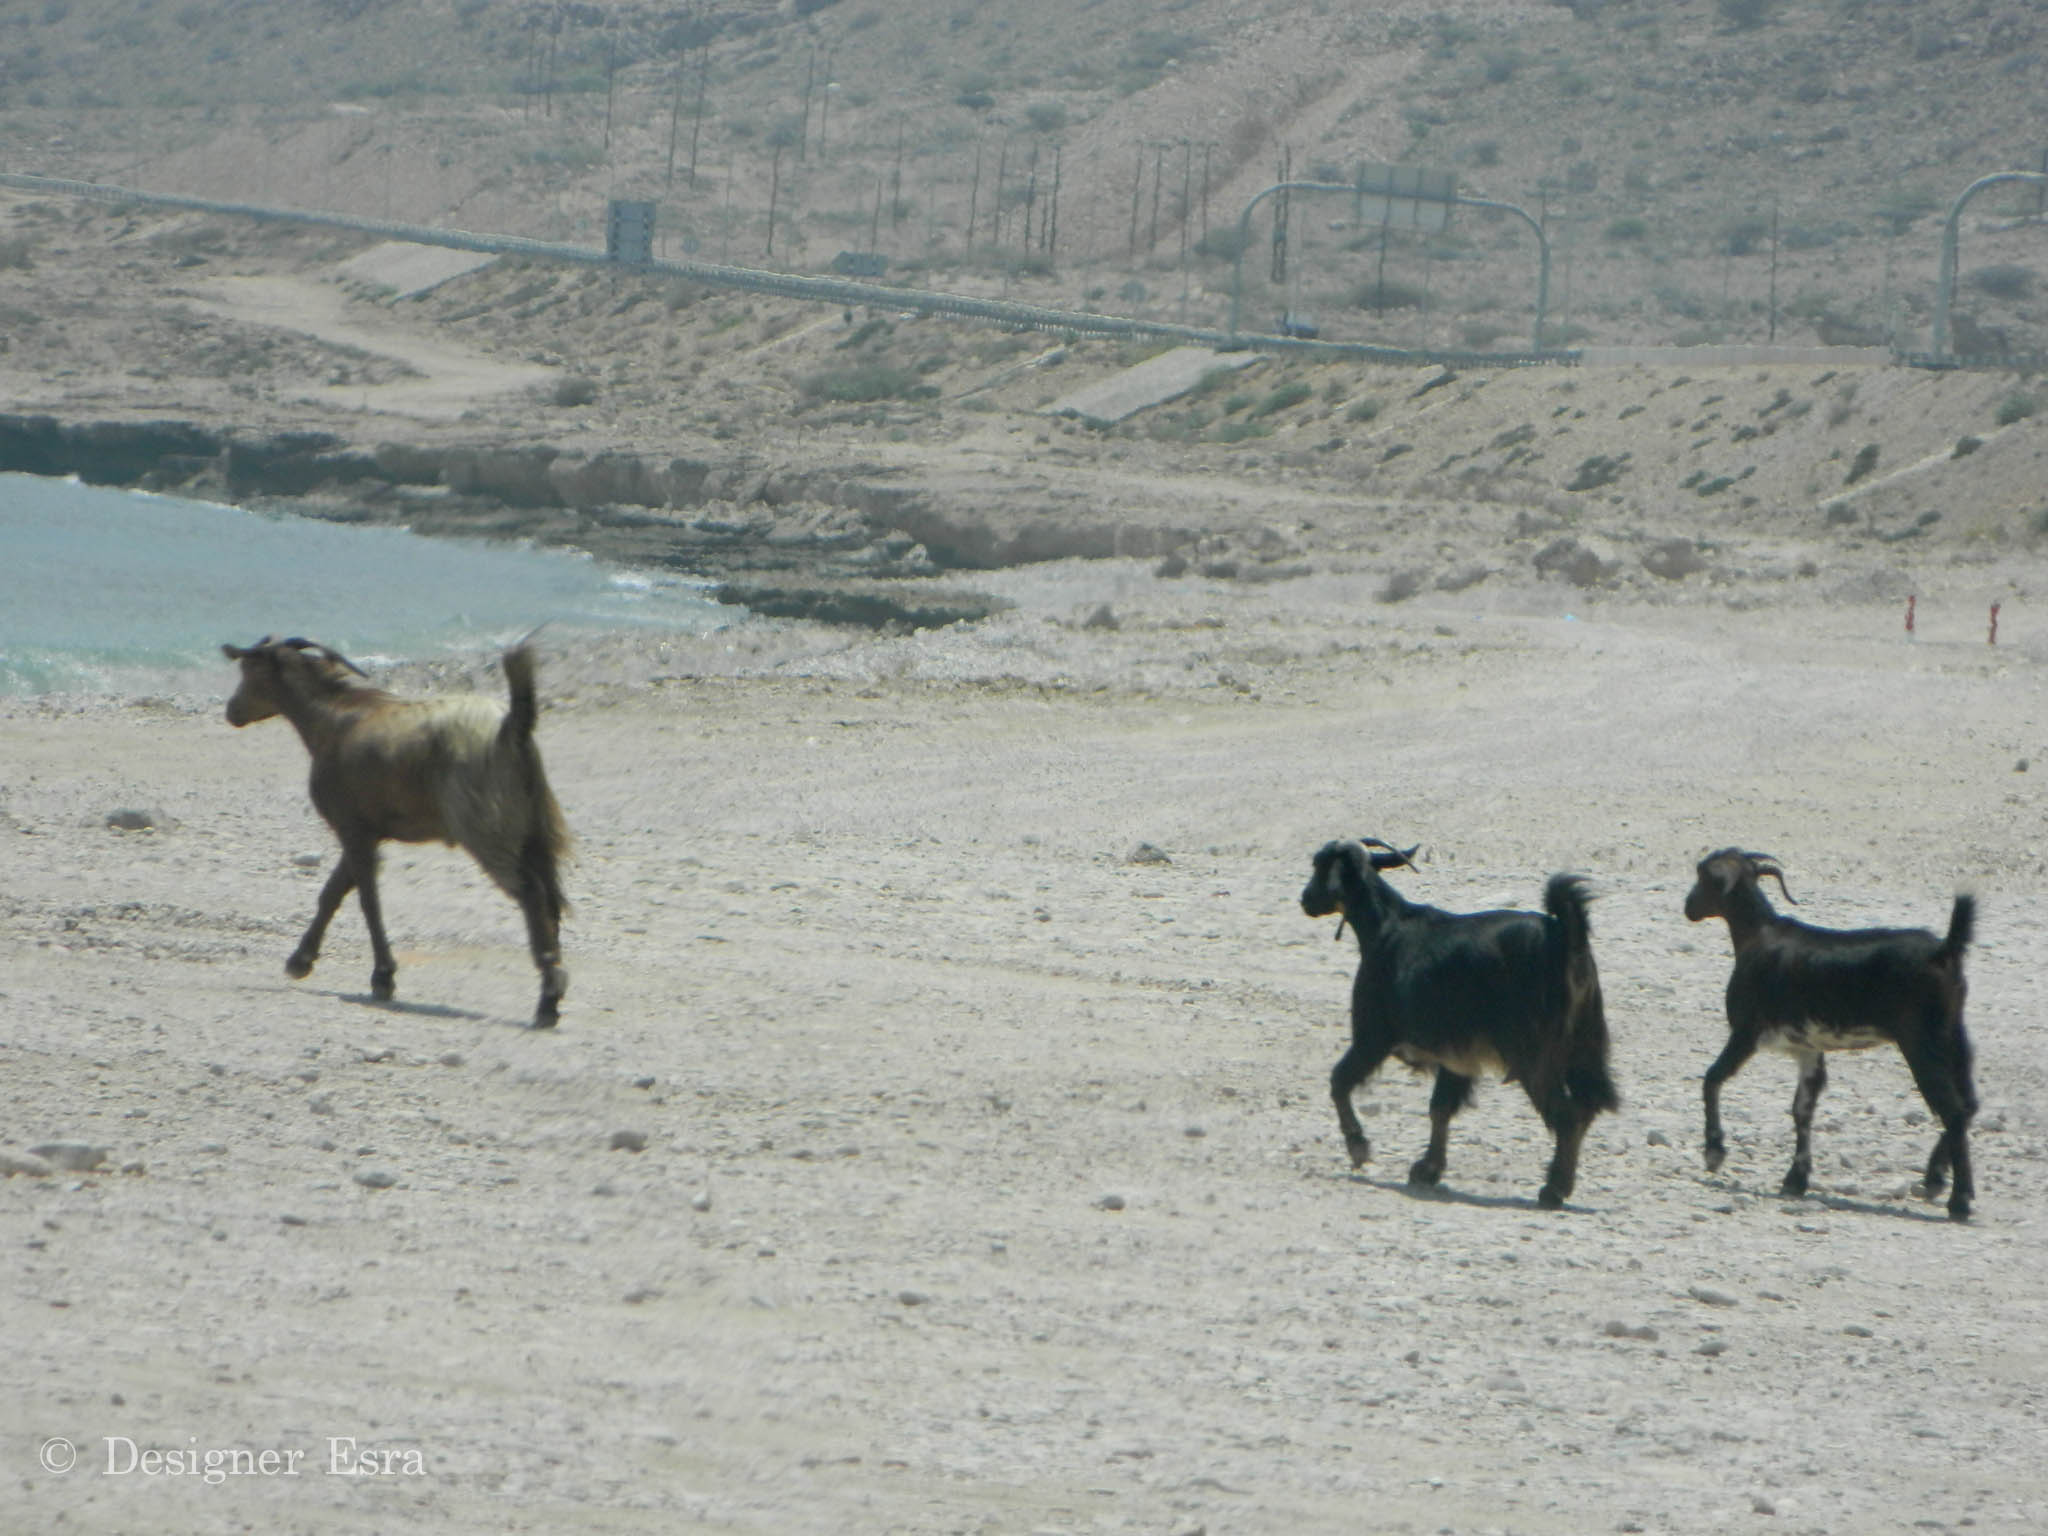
[
  {"x": 1953, "y": 1099},
  {"x": 1452, "y": 1093},
  {"x": 383, "y": 968},
  {"x": 543, "y": 938},
  {"x": 332, "y": 895}
]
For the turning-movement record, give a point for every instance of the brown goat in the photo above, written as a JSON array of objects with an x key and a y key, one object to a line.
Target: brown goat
[{"x": 460, "y": 770}]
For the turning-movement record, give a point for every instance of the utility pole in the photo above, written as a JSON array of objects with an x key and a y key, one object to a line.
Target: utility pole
[
  {"x": 996, "y": 213},
  {"x": 1137, "y": 187},
  {"x": 1052, "y": 224},
  {"x": 774, "y": 192},
  {"x": 697, "y": 123},
  {"x": 1774, "y": 268},
  {"x": 896, "y": 180},
  {"x": 675, "y": 112},
  {"x": 810, "y": 76},
  {"x": 974, "y": 196}
]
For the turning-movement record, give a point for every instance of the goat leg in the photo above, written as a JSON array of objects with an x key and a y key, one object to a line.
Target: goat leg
[
  {"x": 332, "y": 894},
  {"x": 1740, "y": 1048},
  {"x": 1452, "y": 1093},
  {"x": 383, "y": 968},
  {"x": 543, "y": 938},
  {"x": 1813, "y": 1077},
  {"x": 1353, "y": 1068},
  {"x": 1945, "y": 1084}
]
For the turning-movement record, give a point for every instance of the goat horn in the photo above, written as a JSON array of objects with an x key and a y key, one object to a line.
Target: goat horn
[
  {"x": 1400, "y": 856},
  {"x": 1764, "y": 864}
]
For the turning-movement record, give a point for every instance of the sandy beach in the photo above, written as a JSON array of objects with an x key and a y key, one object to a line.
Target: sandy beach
[{"x": 986, "y": 1177}]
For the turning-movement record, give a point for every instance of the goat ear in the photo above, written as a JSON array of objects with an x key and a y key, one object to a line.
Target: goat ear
[{"x": 232, "y": 652}]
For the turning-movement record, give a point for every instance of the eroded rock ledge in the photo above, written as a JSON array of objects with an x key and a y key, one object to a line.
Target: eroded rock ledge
[{"x": 741, "y": 514}]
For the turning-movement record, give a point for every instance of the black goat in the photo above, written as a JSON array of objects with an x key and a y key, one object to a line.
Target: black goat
[
  {"x": 1515, "y": 993},
  {"x": 1806, "y": 991}
]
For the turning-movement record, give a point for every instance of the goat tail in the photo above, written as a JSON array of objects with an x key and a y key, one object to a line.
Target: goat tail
[
  {"x": 1566, "y": 898},
  {"x": 521, "y": 671},
  {"x": 1962, "y": 928}
]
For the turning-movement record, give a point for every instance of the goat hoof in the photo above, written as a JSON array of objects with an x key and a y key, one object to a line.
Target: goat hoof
[
  {"x": 547, "y": 1015},
  {"x": 1360, "y": 1152},
  {"x": 1551, "y": 1199},
  {"x": 1425, "y": 1173},
  {"x": 299, "y": 967},
  {"x": 1959, "y": 1210},
  {"x": 1716, "y": 1156},
  {"x": 383, "y": 985},
  {"x": 1794, "y": 1186}
]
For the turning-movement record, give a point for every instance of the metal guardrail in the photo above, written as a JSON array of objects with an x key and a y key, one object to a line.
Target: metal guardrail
[{"x": 827, "y": 290}]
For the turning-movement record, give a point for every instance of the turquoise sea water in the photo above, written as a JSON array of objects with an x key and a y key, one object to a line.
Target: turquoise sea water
[{"x": 108, "y": 590}]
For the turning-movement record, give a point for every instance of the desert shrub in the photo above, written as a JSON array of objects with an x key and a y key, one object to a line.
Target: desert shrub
[
  {"x": 1966, "y": 445},
  {"x": 1741, "y": 236},
  {"x": 1501, "y": 64},
  {"x": 1485, "y": 152},
  {"x": 1864, "y": 462},
  {"x": 1903, "y": 207},
  {"x": 1383, "y": 296},
  {"x": 2007, "y": 280},
  {"x": 1045, "y": 116},
  {"x": 572, "y": 390},
  {"x": 1744, "y": 15},
  {"x": 1292, "y": 393},
  {"x": 1628, "y": 227},
  {"x": 2017, "y": 406},
  {"x": 864, "y": 384},
  {"x": 1225, "y": 243},
  {"x": 1362, "y": 410},
  {"x": 1239, "y": 431},
  {"x": 15, "y": 253}
]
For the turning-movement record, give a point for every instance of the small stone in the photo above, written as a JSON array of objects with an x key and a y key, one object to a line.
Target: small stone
[
  {"x": 71, "y": 1156},
  {"x": 643, "y": 1082},
  {"x": 321, "y": 1104},
  {"x": 1857, "y": 1331},
  {"x": 1504, "y": 1381},
  {"x": 376, "y": 1178},
  {"x": 131, "y": 820},
  {"x": 1103, "y": 617},
  {"x": 629, "y": 1141},
  {"x": 701, "y": 1201},
  {"x": 1110, "y": 1203},
  {"x": 1194, "y": 1133},
  {"x": 292, "y": 1221},
  {"x": 450, "y": 1058},
  {"x": 1145, "y": 853},
  {"x": 1617, "y": 1329},
  {"x": 1658, "y": 1139},
  {"x": 134, "y": 1165},
  {"x": 1762, "y": 1505},
  {"x": 2020, "y": 766},
  {"x": 213, "y": 1148},
  {"x": 641, "y": 1293},
  {"x": 1709, "y": 1296},
  {"x": 912, "y": 1298},
  {"x": 13, "y": 1162},
  {"x": 306, "y": 860},
  {"x": 1711, "y": 1347}
]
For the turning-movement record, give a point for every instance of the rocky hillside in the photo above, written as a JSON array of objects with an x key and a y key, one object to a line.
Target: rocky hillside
[{"x": 1709, "y": 170}]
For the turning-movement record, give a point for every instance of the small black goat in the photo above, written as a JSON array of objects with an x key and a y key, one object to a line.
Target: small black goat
[
  {"x": 1806, "y": 991},
  {"x": 1513, "y": 993},
  {"x": 461, "y": 769}
]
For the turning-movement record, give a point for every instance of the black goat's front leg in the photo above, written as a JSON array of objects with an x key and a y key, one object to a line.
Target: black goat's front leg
[
  {"x": 1740, "y": 1047},
  {"x": 1813, "y": 1077},
  {"x": 332, "y": 895},
  {"x": 1353, "y": 1068},
  {"x": 1452, "y": 1093}
]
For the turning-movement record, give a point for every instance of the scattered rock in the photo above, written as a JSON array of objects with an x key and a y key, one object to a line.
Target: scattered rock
[
  {"x": 450, "y": 1058},
  {"x": 1110, "y": 1203},
  {"x": 1762, "y": 1505},
  {"x": 1857, "y": 1331},
  {"x": 1103, "y": 617},
  {"x": 1708, "y": 1296},
  {"x": 1145, "y": 853},
  {"x": 912, "y": 1298},
  {"x": 306, "y": 860},
  {"x": 701, "y": 1201},
  {"x": 1711, "y": 1347},
  {"x": 1581, "y": 564},
  {"x": 13, "y": 1162},
  {"x": 641, "y": 1293},
  {"x": 629, "y": 1141},
  {"x": 71, "y": 1156},
  {"x": 376, "y": 1178},
  {"x": 132, "y": 820},
  {"x": 1658, "y": 1139},
  {"x": 1617, "y": 1329}
]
